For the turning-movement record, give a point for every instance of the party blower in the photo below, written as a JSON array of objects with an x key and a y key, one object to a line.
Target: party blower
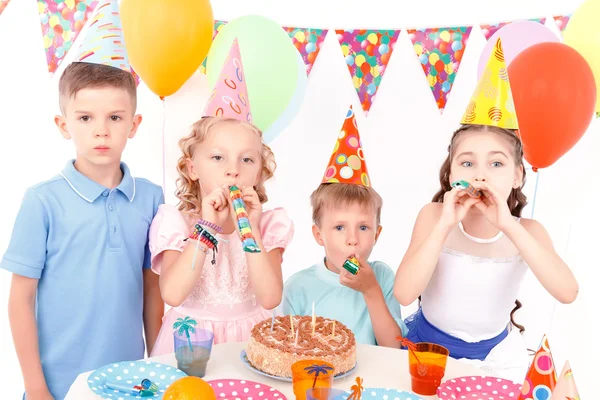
[{"x": 243, "y": 223}]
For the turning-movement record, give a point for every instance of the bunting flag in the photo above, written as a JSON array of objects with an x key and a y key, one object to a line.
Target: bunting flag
[
  {"x": 541, "y": 378},
  {"x": 367, "y": 53},
  {"x": 308, "y": 41},
  {"x": 217, "y": 27},
  {"x": 62, "y": 21},
  {"x": 488, "y": 30},
  {"x": 566, "y": 389},
  {"x": 3, "y": 4},
  {"x": 561, "y": 21},
  {"x": 440, "y": 51}
]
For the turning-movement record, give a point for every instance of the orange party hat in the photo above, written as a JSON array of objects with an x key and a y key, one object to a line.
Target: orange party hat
[
  {"x": 541, "y": 377},
  {"x": 347, "y": 163},
  {"x": 566, "y": 389},
  {"x": 492, "y": 102}
]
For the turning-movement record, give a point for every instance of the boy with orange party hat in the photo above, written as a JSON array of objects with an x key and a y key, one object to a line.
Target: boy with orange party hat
[
  {"x": 82, "y": 291},
  {"x": 470, "y": 249},
  {"x": 345, "y": 285}
]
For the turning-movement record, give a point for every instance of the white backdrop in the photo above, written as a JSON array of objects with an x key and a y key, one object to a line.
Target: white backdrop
[{"x": 404, "y": 137}]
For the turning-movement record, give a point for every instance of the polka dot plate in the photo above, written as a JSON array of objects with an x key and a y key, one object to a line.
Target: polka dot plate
[
  {"x": 132, "y": 372},
  {"x": 479, "y": 388},
  {"x": 251, "y": 367},
  {"x": 236, "y": 389}
]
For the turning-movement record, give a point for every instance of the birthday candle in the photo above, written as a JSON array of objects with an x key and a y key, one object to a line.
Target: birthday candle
[
  {"x": 243, "y": 223},
  {"x": 272, "y": 320},
  {"x": 333, "y": 330},
  {"x": 292, "y": 324},
  {"x": 313, "y": 318}
]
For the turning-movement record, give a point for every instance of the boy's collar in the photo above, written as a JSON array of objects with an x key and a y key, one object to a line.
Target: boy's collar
[{"x": 89, "y": 190}]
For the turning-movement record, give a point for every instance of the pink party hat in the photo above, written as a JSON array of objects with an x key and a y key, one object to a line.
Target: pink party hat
[
  {"x": 230, "y": 95},
  {"x": 566, "y": 389}
]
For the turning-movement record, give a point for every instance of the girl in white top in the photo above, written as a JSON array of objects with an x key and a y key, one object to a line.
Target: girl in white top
[{"x": 468, "y": 255}]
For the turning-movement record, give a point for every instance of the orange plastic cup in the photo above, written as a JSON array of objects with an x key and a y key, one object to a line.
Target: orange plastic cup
[
  {"x": 427, "y": 373},
  {"x": 308, "y": 374}
]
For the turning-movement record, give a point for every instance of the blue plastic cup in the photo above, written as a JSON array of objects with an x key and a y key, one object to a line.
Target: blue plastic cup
[{"x": 192, "y": 351}]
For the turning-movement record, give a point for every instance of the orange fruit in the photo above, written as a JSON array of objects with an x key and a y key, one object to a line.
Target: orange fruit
[{"x": 189, "y": 388}]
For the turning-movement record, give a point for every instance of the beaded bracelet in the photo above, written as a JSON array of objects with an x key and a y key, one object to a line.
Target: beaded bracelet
[
  {"x": 210, "y": 225},
  {"x": 202, "y": 235}
]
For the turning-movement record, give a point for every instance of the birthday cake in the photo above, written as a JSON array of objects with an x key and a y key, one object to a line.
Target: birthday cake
[{"x": 274, "y": 351}]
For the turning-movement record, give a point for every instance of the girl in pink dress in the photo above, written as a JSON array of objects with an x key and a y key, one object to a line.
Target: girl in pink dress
[{"x": 230, "y": 290}]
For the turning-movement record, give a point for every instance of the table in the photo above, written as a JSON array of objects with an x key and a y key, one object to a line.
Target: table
[{"x": 378, "y": 366}]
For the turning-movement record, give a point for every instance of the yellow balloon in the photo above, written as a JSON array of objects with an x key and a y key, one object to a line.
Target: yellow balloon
[
  {"x": 583, "y": 35},
  {"x": 166, "y": 41},
  {"x": 359, "y": 60}
]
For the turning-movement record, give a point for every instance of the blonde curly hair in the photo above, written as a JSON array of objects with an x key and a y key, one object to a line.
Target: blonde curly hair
[{"x": 188, "y": 191}]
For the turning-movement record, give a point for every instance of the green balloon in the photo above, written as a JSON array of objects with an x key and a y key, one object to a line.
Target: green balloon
[{"x": 270, "y": 63}]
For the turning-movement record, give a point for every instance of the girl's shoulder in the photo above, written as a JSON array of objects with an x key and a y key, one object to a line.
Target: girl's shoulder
[{"x": 536, "y": 229}]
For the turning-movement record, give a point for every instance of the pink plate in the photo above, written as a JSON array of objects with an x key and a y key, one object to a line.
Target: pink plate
[
  {"x": 236, "y": 389},
  {"x": 479, "y": 388}
]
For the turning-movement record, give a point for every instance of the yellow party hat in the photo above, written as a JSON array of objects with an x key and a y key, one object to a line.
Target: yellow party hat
[{"x": 492, "y": 102}]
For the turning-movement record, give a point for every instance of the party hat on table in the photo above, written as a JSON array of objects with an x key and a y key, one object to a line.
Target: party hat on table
[
  {"x": 104, "y": 43},
  {"x": 492, "y": 102},
  {"x": 229, "y": 97},
  {"x": 347, "y": 163},
  {"x": 566, "y": 389},
  {"x": 541, "y": 377}
]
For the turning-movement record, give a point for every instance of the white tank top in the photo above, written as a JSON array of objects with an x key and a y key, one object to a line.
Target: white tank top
[{"x": 474, "y": 286}]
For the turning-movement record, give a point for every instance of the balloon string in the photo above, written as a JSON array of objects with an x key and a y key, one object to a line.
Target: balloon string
[
  {"x": 164, "y": 149},
  {"x": 535, "y": 192}
]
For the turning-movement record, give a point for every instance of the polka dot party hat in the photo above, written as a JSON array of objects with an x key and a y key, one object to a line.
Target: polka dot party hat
[
  {"x": 492, "y": 102},
  {"x": 541, "y": 378},
  {"x": 229, "y": 97},
  {"x": 104, "y": 43},
  {"x": 347, "y": 163}
]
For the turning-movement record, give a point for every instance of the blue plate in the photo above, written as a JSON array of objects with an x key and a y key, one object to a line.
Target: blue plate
[
  {"x": 382, "y": 394},
  {"x": 132, "y": 372},
  {"x": 248, "y": 365}
]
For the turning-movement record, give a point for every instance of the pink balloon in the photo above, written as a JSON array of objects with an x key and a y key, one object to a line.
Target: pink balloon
[{"x": 516, "y": 37}]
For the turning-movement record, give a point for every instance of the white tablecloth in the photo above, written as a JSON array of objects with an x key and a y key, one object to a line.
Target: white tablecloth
[{"x": 378, "y": 366}]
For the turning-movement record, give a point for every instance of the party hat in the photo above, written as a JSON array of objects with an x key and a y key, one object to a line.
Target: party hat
[
  {"x": 104, "y": 43},
  {"x": 229, "y": 97},
  {"x": 347, "y": 163},
  {"x": 541, "y": 377},
  {"x": 492, "y": 102},
  {"x": 566, "y": 389}
]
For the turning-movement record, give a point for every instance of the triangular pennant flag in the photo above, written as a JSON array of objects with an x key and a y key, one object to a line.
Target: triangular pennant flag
[
  {"x": 367, "y": 53},
  {"x": 308, "y": 41},
  {"x": 229, "y": 97},
  {"x": 217, "y": 27},
  {"x": 3, "y": 4},
  {"x": 561, "y": 21},
  {"x": 440, "y": 51},
  {"x": 488, "y": 30},
  {"x": 540, "y": 380},
  {"x": 492, "y": 102},
  {"x": 566, "y": 389},
  {"x": 104, "y": 43},
  {"x": 61, "y": 23},
  {"x": 347, "y": 163}
]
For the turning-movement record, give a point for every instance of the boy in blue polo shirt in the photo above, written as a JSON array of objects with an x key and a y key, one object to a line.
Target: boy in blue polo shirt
[{"x": 82, "y": 288}]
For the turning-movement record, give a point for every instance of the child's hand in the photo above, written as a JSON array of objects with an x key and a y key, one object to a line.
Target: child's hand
[
  {"x": 494, "y": 208},
  {"x": 456, "y": 205},
  {"x": 364, "y": 282},
  {"x": 253, "y": 206},
  {"x": 215, "y": 206}
]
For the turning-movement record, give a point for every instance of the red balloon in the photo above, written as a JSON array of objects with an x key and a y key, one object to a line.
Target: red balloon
[
  {"x": 443, "y": 47},
  {"x": 439, "y": 65},
  {"x": 370, "y": 49},
  {"x": 555, "y": 95},
  {"x": 365, "y": 68}
]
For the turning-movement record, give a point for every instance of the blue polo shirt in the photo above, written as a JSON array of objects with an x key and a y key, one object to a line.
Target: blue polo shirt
[{"x": 87, "y": 245}]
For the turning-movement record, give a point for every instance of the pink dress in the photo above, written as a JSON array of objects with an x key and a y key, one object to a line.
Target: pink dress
[{"x": 223, "y": 300}]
